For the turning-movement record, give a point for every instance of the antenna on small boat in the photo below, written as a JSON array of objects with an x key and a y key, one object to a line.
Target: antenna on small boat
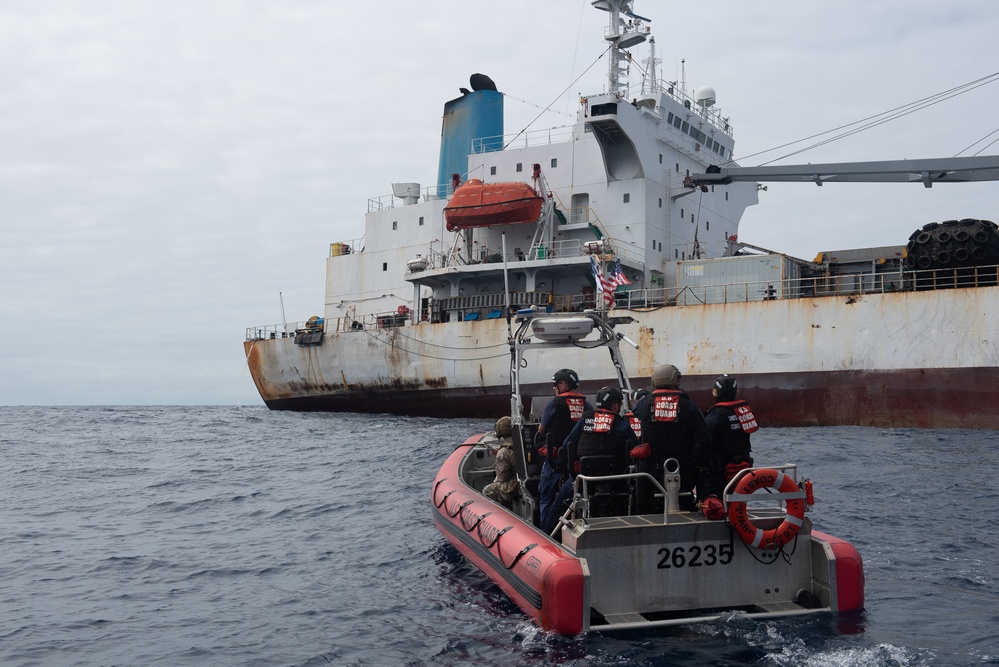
[{"x": 506, "y": 290}]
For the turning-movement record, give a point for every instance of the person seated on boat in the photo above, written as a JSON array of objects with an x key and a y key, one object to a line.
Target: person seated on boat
[
  {"x": 672, "y": 427},
  {"x": 557, "y": 420},
  {"x": 505, "y": 487},
  {"x": 730, "y": 421},
  {"x": 600, "y": 432}
]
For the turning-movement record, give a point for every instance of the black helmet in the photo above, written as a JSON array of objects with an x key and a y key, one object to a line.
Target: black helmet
[
  {"x": 608, "y": 396},
  {"x": 568, "y": 376},
  {"x": 666, "y": 375},
  {"x": 638, "y": 395},
  {"x": 726, "y": 387}
]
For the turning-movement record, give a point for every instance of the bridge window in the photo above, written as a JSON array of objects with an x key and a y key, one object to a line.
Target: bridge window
[
  {"x": 627, "y": 197},
  {"x": 395, "y": 225},
  {"x": 520, "y": 167},
  {"x": 554, "y": 162},
  {"x": 492, "y": 171}
]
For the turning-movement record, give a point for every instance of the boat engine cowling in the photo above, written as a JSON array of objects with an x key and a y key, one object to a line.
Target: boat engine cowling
[{"x": 954, "y": 244}]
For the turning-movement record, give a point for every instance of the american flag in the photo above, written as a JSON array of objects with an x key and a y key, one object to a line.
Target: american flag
[{"x": 607, "y": 285}]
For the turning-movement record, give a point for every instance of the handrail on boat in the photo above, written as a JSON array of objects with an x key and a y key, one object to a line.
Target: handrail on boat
[
  {"x": 789, "y": 469},
  {"x": 583, "y": 493}
]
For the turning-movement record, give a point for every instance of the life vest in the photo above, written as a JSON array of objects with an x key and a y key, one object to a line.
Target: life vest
[
  {"x": 665, "y": 405},
  {"x": 731, "y": 440},
  {"x": 599, "y": 435},
  {"x": 740, "y": 415},
  {"x": 635, "y": 423},
  {"x": 569, "y": 408},
  {"x": 662, "y": 428}
]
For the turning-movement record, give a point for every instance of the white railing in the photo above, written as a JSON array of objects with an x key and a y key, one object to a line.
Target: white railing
[
  {"x": 768, "y": 290},
  {"x": 546, "y": 137}
]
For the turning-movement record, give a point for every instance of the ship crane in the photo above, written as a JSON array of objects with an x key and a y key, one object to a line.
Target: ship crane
[{"x": 925, "y": 171}]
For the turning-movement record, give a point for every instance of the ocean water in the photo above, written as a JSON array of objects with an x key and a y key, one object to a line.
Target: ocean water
[{"x": 240, "y": 536}]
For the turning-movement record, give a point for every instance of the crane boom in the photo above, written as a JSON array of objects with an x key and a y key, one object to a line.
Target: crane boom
[{"x": 925, "y": 171}]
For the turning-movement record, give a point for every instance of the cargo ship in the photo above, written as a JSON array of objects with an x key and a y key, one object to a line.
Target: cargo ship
[{"x": 634, "y": 209}]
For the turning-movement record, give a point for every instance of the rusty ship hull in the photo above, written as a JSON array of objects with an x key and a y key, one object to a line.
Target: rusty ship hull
[{"x": 918, "y": 359}]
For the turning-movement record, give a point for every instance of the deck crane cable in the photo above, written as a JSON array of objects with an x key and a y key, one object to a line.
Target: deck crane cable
[
  {"x": 430, "y": 356},
  {"x": 575, "y": 53},
  {"x": 564, "y": 91},
  {"x": 985, "y": 147},
  {"x": 443, "y": 347},
  {"x": 879, "y": 119}
]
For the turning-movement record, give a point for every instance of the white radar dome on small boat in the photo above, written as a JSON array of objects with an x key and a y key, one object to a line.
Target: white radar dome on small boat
[
  {"x": 705, "y": 96},
  {"x": 561, "y": 328}
]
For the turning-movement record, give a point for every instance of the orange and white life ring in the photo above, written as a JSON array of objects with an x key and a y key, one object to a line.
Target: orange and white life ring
[{"x": 738, "y": 516}]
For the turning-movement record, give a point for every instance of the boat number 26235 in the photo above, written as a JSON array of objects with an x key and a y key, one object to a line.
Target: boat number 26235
[{"x": 695, "y": 555}]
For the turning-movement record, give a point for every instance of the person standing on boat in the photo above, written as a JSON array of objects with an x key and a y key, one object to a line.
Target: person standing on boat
[
  {"x": 633, "y": 420},
  {"x": 505, "y": 487},
  {"x": 672, "y": 427},
  {"x": 600, "y": 432},
  {"x": 557, "y": 420},
  {"x": 730, "y": 421}
]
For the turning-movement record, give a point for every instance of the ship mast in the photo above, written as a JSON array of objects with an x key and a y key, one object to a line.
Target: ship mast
[
  {"x": 622, "y": 35},
  {"x": 650, "y": 83}
]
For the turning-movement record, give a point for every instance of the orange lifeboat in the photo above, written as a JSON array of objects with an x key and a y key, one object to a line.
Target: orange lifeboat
[{"x": 476, "y": 204}]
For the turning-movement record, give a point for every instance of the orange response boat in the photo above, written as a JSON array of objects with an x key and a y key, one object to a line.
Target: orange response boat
[
  {"x": 608, "y": 567},
  {"x": 478, "y": 204}
]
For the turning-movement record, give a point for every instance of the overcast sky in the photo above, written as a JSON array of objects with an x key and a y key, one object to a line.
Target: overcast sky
[{"x": 168, "y": 168}]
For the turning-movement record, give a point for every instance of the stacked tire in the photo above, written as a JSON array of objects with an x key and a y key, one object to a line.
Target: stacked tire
[{"x": 949, "y": 253}]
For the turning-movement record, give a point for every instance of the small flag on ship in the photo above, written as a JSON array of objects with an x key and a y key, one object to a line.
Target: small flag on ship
[{"x": 607, "y": 285}]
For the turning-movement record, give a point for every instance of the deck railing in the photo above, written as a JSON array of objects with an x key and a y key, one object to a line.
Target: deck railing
[{"x": 487, "y": 305}]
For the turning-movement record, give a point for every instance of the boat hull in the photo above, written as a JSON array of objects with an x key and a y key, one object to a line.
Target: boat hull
[
  {"x": 918, "y": 359},
  {"x": 542, "y": 578},
  {"x": 614, "y": 573}
]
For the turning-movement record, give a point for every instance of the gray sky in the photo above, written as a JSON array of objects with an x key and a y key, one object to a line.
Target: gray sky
[{"x": 167, "y": 168}]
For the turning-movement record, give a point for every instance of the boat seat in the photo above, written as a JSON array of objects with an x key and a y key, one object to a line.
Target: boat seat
[
  {"x": 593, "y": 466},
  {"x": 606, "y": 498}
]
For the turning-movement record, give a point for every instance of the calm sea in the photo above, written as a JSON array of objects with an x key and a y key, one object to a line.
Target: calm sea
[{"x": 239, "y": 536}]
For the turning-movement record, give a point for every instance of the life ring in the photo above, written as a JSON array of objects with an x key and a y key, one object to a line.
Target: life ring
[{"x": 738, "y": 516}]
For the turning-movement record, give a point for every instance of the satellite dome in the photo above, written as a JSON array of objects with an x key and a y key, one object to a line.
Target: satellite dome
[{"x": 705, "y": 96}]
